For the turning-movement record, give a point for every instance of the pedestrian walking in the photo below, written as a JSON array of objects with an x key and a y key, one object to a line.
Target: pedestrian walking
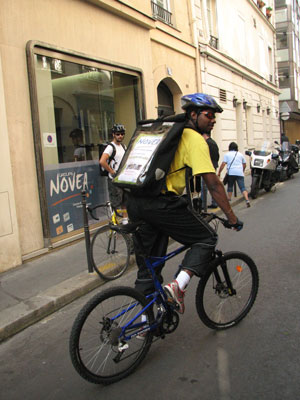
[{"x": 236, "y": 165}]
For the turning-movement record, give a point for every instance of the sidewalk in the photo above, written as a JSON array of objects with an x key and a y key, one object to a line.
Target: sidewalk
[{"x": 42, "y": 286}]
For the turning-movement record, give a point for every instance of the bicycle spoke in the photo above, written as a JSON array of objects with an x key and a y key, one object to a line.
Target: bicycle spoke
[
  {"x": 110, "y": 253},
  {"x": 220, "y": 306},
  {"x": 99, "y": 350}
]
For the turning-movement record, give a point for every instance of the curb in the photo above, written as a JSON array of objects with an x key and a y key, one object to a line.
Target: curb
[
  {"x": 16, "y": 318},
  {"x": 20, "y": 316}
]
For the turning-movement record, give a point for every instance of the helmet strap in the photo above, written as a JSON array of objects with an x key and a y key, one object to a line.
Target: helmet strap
[
  {"x": 198, "y": 112},
  {"x": 195, "y": 123}
]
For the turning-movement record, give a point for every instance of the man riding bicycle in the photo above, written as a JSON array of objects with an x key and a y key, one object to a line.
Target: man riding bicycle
[{"x": 169, "y": 214}]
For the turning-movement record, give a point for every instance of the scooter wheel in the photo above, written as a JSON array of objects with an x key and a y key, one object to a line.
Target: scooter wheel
[{"x": 254, "y": 187}]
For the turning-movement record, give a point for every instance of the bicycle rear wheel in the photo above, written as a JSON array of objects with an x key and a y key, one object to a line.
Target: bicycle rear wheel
[
  {"x": 99, "y": 351},
  {"x": 110, "y": 253},
  {"x": 227, "y": 291}
]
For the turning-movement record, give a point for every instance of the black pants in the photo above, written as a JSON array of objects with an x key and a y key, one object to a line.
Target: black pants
[
  {"x": 169, "y": 216},
  {"x": 116, "y": 195}
]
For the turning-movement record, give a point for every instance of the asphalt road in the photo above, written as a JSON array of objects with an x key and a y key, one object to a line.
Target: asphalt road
[{"x": 258, "y": 359}]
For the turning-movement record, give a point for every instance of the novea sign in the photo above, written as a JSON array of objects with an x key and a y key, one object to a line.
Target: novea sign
[{"x": 64, "y": 184}]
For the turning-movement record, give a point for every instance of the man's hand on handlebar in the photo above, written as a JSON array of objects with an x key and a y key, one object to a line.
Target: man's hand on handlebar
[{"x": 238, "y": 226}]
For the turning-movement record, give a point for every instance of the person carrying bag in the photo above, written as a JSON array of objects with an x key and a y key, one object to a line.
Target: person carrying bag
[
  {"x": 237, "y": 167},
  {"x": 225, "y": 180}
]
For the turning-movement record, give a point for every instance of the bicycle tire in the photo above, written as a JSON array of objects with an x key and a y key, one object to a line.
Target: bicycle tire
[
  {"x": 110, "y": 253},
  {"x": 92, "y": 354},
  {"x": 216, "y": 307}
]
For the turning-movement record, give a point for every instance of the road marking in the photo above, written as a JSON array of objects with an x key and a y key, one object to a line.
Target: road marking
[{"x": 223, "y": 370}]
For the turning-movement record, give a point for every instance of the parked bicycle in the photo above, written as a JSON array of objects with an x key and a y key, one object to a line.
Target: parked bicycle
[
  {"x": 109, "y": 251},
  {"x": 113, "y": 332}
]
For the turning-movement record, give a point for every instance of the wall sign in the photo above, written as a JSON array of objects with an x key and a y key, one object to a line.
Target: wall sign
[{"x": 49, "y": 139}]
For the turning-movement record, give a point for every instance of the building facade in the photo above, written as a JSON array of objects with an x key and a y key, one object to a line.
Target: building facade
[
  {"x": 288, "y": 59},
  {"x": 78, "y": 65},
  {"x": 69, "y": 69},
  {"x": 237, "y": 59}
]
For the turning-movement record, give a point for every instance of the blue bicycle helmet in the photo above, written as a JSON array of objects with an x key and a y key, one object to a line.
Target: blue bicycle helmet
[
  {"x": 118, "y": 128},
  {"x": 200, "y": 100}
]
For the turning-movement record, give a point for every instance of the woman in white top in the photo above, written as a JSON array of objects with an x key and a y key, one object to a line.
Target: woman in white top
[{"x": 236, "y": 165}]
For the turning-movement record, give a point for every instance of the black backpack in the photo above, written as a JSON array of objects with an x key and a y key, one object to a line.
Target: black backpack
[
  {"x": 149, "y": 155},
  {"x": 102, "y": 147}
]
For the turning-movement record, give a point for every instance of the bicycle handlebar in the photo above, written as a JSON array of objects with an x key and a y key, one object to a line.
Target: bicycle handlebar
[
  {"x": 237, "y": 226},
  {"x": 91, "y": 209}
]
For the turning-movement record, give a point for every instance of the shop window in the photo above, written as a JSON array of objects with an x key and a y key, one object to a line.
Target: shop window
[{"x": 77, "y": 106}]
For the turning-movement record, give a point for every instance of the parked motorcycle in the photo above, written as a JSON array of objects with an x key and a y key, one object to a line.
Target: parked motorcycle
[
  {"x": 264, "y": 170},
  {"x": 287, "y": 165}
]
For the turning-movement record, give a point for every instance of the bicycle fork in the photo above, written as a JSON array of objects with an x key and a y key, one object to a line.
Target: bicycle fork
[
  {"x": 111, "y": 245},
  {"x": 220, "y": 283}
]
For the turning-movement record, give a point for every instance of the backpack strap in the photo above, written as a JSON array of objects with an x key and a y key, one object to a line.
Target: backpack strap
[
  {"x": 188, "y": 175},
  {"x": 231, "y": 162},
  {"x": 112, "y": 157}
]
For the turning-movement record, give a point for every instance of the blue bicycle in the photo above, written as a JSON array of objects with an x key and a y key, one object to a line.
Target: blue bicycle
[{"x": 113, "y": 332}]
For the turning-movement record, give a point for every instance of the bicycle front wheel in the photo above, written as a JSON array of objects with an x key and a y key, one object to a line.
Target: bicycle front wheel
[
  {"x": 104, "y": 343},
  {"x": 110, "y": 253},
  {"x": 227, "y": 291}
]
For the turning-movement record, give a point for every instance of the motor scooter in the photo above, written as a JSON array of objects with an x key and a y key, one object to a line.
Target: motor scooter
[
  {"x": 287, "y": 165},
  {"x": 264, "y": 169}
]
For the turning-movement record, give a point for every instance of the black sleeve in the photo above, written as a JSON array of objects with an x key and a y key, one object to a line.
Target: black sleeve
[{"x": 214, "y": 152}]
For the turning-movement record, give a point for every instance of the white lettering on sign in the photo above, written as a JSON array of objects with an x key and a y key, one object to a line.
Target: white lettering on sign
[{"x": 68, "y": 182}]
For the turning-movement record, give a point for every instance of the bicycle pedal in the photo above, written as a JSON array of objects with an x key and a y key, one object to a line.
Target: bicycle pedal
[{"x": 172, "y": 303}]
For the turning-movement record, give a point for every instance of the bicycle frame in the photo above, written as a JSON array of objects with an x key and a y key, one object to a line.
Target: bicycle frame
[{"x": 158, "y": 297}]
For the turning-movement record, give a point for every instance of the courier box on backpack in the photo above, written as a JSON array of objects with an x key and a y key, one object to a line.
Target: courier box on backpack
[{"x": 147, "y": 160}]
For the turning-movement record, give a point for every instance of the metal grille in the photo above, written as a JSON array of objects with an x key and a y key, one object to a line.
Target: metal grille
[
  {"x": 223, "y": 95},
  {"x": 213, "y": 41},
  {"x": 161, "y": 13}
]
